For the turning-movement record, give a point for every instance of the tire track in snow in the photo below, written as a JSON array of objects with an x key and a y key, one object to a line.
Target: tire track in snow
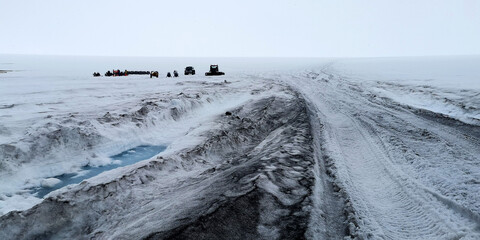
[
  {"x": 387, "y": 202},
  {"x": 328, "y": 218}
]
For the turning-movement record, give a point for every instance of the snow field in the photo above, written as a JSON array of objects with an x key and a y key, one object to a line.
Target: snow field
[{"x": 361, "y": 148}]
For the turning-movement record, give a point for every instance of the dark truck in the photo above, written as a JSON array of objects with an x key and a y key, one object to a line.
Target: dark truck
[
  {"x": 189, "y": 70},
  {"x": 214, "y": 71}
]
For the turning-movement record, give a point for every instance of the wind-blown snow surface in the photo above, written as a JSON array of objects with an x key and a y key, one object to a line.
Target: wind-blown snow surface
[
  {"x": 446, "y": 85},
  {"x": 322, "y": 149}
]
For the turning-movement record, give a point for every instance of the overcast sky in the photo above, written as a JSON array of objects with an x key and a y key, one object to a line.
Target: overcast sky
[{"x": 246, "y": 28}]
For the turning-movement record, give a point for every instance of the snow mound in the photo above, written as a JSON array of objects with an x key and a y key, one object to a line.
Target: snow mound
[{"x": 50, "y": 182}]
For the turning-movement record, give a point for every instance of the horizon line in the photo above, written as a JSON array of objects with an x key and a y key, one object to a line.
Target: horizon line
[{"x": 279, "y": 57}]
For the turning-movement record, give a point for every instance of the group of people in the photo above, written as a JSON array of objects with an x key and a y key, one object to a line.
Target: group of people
[
  {"x": 117, "y": 72},
  {"x": 124, "y": 73},
  {"x": 175, "y": 74}
]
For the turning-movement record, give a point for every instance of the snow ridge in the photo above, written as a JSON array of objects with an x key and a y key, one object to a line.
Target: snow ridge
[{"x": 257, "y": 159}]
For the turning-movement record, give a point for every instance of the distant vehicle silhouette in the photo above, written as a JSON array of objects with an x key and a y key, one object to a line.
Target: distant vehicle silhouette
[
  {"x": 189, "y": 70},
  {"x": 214, "y": 71},
  {"x": 154, "y": 74}
]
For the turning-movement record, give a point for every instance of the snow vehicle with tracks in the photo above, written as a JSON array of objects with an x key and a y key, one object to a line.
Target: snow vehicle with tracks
[{"x": 214, "y": 71}]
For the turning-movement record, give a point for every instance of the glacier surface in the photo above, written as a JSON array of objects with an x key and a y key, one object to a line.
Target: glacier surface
[{"x": 380, "y": 148}]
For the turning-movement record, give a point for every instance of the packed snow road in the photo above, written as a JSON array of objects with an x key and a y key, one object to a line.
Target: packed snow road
[
  {"x": 404, "y": 173},
  {"x": 308, "y": 154}
]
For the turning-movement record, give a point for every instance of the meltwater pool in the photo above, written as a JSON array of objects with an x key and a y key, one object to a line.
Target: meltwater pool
[{"x": 125, "y": 158}]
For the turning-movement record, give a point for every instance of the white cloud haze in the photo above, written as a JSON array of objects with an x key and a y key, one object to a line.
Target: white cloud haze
[{"x": 214, "y": 28}]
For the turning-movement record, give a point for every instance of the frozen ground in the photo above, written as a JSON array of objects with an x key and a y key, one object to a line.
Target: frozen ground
[{"x": 313, "y": 148}]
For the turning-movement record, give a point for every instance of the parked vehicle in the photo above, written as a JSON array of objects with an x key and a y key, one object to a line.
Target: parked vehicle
[
  {"x": 214, "y": 71},
  {"x": 189, "y": 70},
  {"x": 154, "y": 74}
]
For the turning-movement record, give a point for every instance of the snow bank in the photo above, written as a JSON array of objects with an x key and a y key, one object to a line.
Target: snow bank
[{"x": 462, "y": 105}]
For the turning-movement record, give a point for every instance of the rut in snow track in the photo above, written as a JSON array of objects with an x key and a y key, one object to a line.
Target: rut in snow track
[
  {"x": 383, "y": 201},
  {"x": 328, "y": 215}
]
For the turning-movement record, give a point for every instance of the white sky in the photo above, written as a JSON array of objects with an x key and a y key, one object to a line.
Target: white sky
[{"x": 246, "y": 28}]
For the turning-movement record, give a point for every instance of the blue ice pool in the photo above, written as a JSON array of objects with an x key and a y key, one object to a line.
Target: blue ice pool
[{"x": 128, "y": 157}]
